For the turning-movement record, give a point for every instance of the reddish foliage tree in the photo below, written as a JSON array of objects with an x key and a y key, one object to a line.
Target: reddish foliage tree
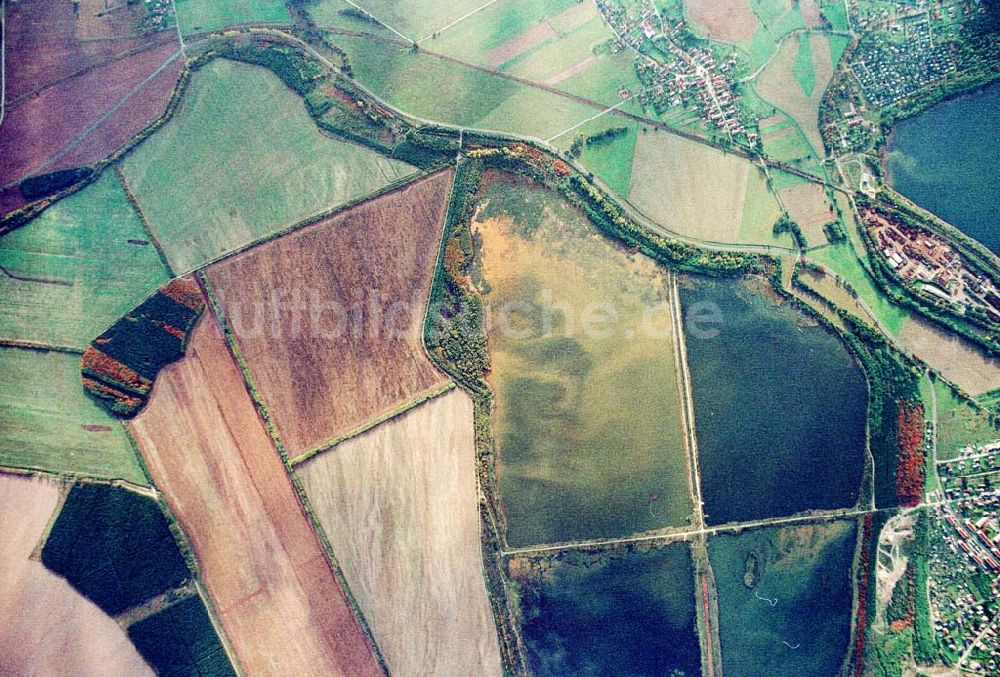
[
  {"x": 910, "y": 461},
  {"x": 861, "y": 621},
  {"x": 185, "y": 292}
]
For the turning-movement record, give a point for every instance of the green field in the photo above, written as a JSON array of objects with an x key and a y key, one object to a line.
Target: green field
[
  {"x": 114, "y": 546},
  {"x": 562, "y": 44},
  {"x": 838, "y": 44},
  {"x": 835, "y": 12},
  {"x": 842, "y": 260},
  {"x": 760, "y": 211},
  {"x": 43, "y": 414},
  {"x": 610, "y": 160},
  {"x": 959, "y": 422},
  {"x": 262, "y": 165},
  {"x": 180, "y": 640},
  {"x": 415, "y": 19},
  {"x": 778, "y": 18},
  {"x": 338, "y": 14},
  {"x": 552, "y": 62},
  {"x": 587, "y": 418},
  {"x": 802, "y": 70},
  {"x": 473, "y": 38},
  {"x": 195, "y": 16},
  {"x": 412, "y": 82},
  {"x": 788, "y": 148},
  {"x": 76, "y": 268}
]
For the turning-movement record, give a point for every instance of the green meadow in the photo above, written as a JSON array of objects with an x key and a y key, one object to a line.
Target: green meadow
[
  {"x": 412, "y": 81},
  {"x": 261, "y": 165},
  {"x": 195, "y": 16},
  {"x": 48, "y": 422},
  {"x": 76, "y": 268}
]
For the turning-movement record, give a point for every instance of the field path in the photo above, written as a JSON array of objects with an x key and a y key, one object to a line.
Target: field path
[{"x": 262, "y": 564}]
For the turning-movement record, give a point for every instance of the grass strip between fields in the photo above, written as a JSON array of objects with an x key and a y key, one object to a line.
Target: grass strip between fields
[{"x": 395, "y": 412}]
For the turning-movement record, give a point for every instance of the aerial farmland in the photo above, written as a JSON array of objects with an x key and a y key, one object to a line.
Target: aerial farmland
[{"x": 498, "y": 337}]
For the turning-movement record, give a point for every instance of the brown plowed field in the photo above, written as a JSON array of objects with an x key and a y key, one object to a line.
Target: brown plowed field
[
  {"x": 400, "y": 504},
  {"x": 47, "y": 41},
  {"x": 726, "y": 20},
  {"x": 261, "y": 562},
  {"x": 329, "y": 318},
  {"x": 139, "y": 111},
  {"x": 40, "y": 127},
  {"x": 10, "y": 199},
  {"x": 48, "y": 628}
]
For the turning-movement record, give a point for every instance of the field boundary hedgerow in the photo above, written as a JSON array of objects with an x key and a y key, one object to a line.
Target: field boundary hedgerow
[
  {"x": 130, "y": 196},
  {"x": 389, "y": 415},
  {"x": 236, "y": 355}
]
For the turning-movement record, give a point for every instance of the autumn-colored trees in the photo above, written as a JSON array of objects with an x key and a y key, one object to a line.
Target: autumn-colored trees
[
  {"x": 910, "y": 460},
  {"x": 121, "y": 364}
]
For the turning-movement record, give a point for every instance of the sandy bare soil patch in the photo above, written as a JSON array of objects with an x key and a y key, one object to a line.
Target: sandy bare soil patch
[
  {"x": 261, "y": 562},
  {"x": 400, "y": 506},
  {"x": 690, "y": 188},
  {"x": 354, "y": 348},
  {"x": 959, "y": 361},
  {"x": 777, "y": 84},
  {"x": 725, "y": 20},
  {"x": 535, "y": 35},
  {"x": 48, "y": 626}
]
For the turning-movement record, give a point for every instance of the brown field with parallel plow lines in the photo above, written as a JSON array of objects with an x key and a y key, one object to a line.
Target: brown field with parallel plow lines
[
  {"x": 38, "y": 130},
  {"x": 261, "y": 562},
  {"x": 47, "y": 41},
  {"x": 48, "y": 627},
  {"x": 329, "y": 318}
]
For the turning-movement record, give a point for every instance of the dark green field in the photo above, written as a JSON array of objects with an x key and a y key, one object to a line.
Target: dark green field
[
  {"x": 114, "y": 546},
  {"x": 180, "y": 640}
]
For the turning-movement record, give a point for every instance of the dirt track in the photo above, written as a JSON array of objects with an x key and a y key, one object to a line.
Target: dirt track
[{"x": 263, "y": 566}]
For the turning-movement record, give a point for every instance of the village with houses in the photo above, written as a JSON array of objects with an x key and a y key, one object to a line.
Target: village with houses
[
  {"x": 965, "y": 558},
  {"x": 676, "y": 73},
  {"x": 906, "y": 46}
]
